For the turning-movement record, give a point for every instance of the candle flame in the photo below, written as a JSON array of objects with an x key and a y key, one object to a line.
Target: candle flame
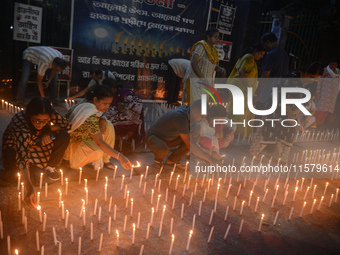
[
  {"x": 135, "y": 166},
  {"x": 80, "y": 169},
  {"x": 190, "y": 232},
  {"x": 164, "y": 206},
  {"x": 117, "y": 232},
  {"x": 38, "y": 207},
  {"x": 153, "y": 209},
  {"x": 173, "y": 237},
  {"x": 59, "y": 190},
  {"x": 134, "y": 226},
  {"x": 16, "y": 251},
  {"x": 18, "y": 175},
  {"x": 131, "y": 200}
]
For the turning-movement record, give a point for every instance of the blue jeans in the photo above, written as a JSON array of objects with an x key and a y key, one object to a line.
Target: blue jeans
[{"x": 26, "y": 71}]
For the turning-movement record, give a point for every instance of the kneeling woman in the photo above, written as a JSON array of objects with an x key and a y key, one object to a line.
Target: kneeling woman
[
  {"x": 92, "y": 137},
  {"x": 35, "y": 141}
]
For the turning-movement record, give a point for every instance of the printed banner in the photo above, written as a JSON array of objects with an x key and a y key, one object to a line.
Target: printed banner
[
  {"x": 224, "y": 50},
  {"x": 65, "y": 75},
  {"x": 135, "y": 39},
  {"x": 27, "y": 23},
  {"x": 225, "y": 19}
]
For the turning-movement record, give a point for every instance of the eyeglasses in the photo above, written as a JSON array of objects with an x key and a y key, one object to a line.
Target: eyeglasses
[{"x": 39, "y": 121}]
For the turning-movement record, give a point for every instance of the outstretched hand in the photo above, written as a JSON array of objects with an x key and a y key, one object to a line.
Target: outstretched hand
[{"x": 125, "y": 162}]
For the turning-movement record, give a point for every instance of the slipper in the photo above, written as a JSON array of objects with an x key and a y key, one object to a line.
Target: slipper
[
  {"x": 178, "y": 165},
  {"x": 109, "y": 165}
]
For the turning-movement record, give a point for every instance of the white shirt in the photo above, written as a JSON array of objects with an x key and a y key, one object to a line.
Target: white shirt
[
  {"x": 94, "y": 83},
  {"x": 180, "y": 66}
]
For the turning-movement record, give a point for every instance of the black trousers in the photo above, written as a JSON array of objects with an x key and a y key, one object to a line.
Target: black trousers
[{"x": 173, "y": 85}]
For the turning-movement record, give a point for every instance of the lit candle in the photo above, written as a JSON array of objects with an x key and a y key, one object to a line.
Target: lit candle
[
  {"x": 99, "y": 214},
  {"x": 241, "y": 225},
  {"x": 66, "y": 187},
  {"x": 80, "y": 172},
  {"x": 85, "y": 180},
  {"x": 296, "y": 188},
  {"x": 320, "y": 202},
  {"x": 131, "y": 209},
  {"x": 62, "y": 210},
  {"x": 117, "y": 238},
  {"x": 67, "y": 216},
  {"x": 173, "y": 202},
  {"x": 210, "y": 235},
  {"x": 148, "y": 231},
  {"x": 182, "y": 211},
  {"x": 84, "y": 217},
  {"x": 304, "y": 198},
  {"x": 71, "y": 227},
  {"x": 152, "y": 213},
  {"x": 22, "y": 191},
  {"x": 40, "y": 213},
  {"x": 16, "y": 252},
  {"x": 259, "y": 229},
  {"x": 257, "y": 203},
  {"x": 171, "y": 174},
  {"x": 37, "y": 240},
  {"x": 242, "y": 207},
  {"x": 303, "y": 180},
  {"x": 100, "y": 241},
  {"x": 324, "y": 192},
  {"x": 146, "y": 172},
  {"x": 127, "y": 199},
  {"x": 188, "y": 243},
  {"x": 138, "y": 220},
  {"x": 91, "y": 230},
  {"x": 133, "y": 233},
  {"x": 314, "y": 191},
  {"x": 336, "y": 195},
  {"x": 60, "y": 197},
  {"x": 121, "y": 185},
  {"x": 46, "y": 189},
  {"x": 311, "y": 210},
  {"x": 159, "y": 197},
  {"x": 331, "y": 200},
  {"x": 250, "y": 196},
  {"x": 19, "y": 201},
  {"x": 140, "y": 181},
  {"x": 152, "y": 192},
  {"x": 44, "y": 223},
  {"x": 303, "y": 207},
  {"x": 19, "y": 181},
  {"x": 162, "y": 218},
  {"x": 172, "y": 243},
  {"x": 105, "y": 191},
  {"x": 61, "y": 177}
]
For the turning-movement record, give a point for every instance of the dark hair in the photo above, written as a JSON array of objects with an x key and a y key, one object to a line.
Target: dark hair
[
  {"x": 257, "y": 47},
  {"x": 210, "y": 32},
  {"x": 100, "y": 92},
  {"x": 39, "y": 105},
  {"x": 271, "y": 37},
  {"x": 96, "y": 71},
  {"x": 334, "y": 59},
  {"x": 217, "y": 111},
  {"x": 112, "y": 83},
  {"x": 62, "y": 63},
  {"x": 316, "y": 68}
]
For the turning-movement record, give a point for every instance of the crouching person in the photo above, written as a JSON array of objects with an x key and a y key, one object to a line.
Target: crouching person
[{"x": 35, "y": 141}]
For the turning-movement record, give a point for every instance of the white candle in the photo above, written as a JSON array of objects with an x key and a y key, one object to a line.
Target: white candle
[
  {"x": 23, "y": 216},
  {"x": 61, "y": 177},
  {"x": 146, "y": 172},
  {"x": 195, "y": 190},
  {"x": 133, "y": 233},
  {"x": 182, "y": 211},
  {"x": 166, "y": 195},
  {"x": 311, "y": 210},
  {"x": 172, "y": 244},
  {"x": 9, "y": 244},
  {"x": 19, "y": 201},
  {"x": 265, "y": 194},
  {"x": 259, "y": 229},
  {"x": 191, "y": 196},
  {"x": 303, "y": 207},
  {"x": 239, "y": 189},
  {"x": 80, "y": 172},
  {"x": 171, "y": 225},
  {"x": 193, "y": 221},
  {"x": 1, "y": 230},
  {"x": 122, "y": 183},
  {"x": 291, "y": 213},
  {"x": 66, "y": 187},
  {"x": 189, "y": 239},
  {"x": 97, "y": 177},
  {"x": 54, "y": 236},
  {"x": 159, "y": 186},
  {"x": 86, "y": 196},
  {"x": 46, "y": 189},
  {"x": 67, "y": 216},
  {"x": 148, "y": 231},
  {"x": 159, "y": 197},
  {"x": 152, "y": 192},
  {"x": 22, "y": 191},
  {"x": 242, "y": 207},
  {"x": 105, "y": 192},
  {"x": 303, "y": 180},
  {"x": 296, "y": 188},
  {"x": 226, "y": 213},
  {"x": 60, "y": 197},
  {"x": 285, "y": 197},
  {"x": 59, "y": 248},
  {"x": 276, "y": 216},
  {"x": 140, "y": 181},
  {"x": 241, "y": 225},
  {"x": 320, "y": 202},
  {"x": 257, "y": 203},
  {"x": 43, "y": 250},
  {"x": 95, "y": 207},
  {"x": 331, "y": 200},
  {"x": 125, "y": 220},
  {"x": 183, "y": 193},
  {"x": 84, "y": 217},
  {"x": 117, "y": 238},
  {"x": 138, "y": 220},
  {"x": 125, "y": 190},
  {"x": 152, "y": 213},
  {"x": 131, "y": 172},
  {"x": 19, "y": 181},
  {"x": 85, "y": 185},
  {"x": 100, "y": 242},
  {"x": 250, "y": 196},
  {"x": 156, "y": 177},
  {"x": 37, "y": 240},
  {"x": 99, "y": 214},
  {"x": 144, "y": 189},
  {"x": 227, "y": 232},
  {"x": 336, "y": 195},
  {"x": 228, "y": 190},
  {"x": 176, "y": 185},
  {"x": 71, "y": 227},
  {"x": 110, "y": 203},
  {"x": 211, "y": 217},
  {"x": 25, "y": 225},
  {"x": 79, "y": 246},
  {"x": 91, "y": 231},
  {"x": 200, "y": 208},
  {"x": 304, "y": 198},
  {"x": 324, "y": 192},
  {"x": 210, "y": 235},
  {"x": 234, "y": 206},
  {"x": 114, "y": 212},
  {"x": 127, "y": 199},
  {"x": 204, "y": 195},
  {"x": 62, "y": 210},
  {"x": 314, "y": 191},
  {"x": 173, "y": 202},
  {"x": 131, "y": 209},
  {"x": 40, "y": 213}
]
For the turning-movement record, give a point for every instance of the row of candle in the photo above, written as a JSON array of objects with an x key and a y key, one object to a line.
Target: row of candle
[{"x": 10, "y": 107}]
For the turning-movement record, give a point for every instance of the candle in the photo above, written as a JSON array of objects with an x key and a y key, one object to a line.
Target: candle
[
  {"x": 171, "y": 225},
  {"x": 110, "y": 203},
  {"x": 324, "y": 192},
  {"x": 234, "y": 206},
  {"x": 61, "y": 177},
  {"x": 19, "y": 201},
  {"x": 67, "y": 216},
  {"x": 22, "y": 191},
  {"x": 320, "y": 202},
  {"x": 242, "y": 207},
  {"x": 291, "y": 213},
  {"x": 140, "y": 181},
  {"x": 44, "y": 223},
  {"x": 209, "y": 181},
  {"x": 86, "y": 196},
  {"x": 304, "y": 198},
  {"x": 138, "y": 220},
  {"x": 99, "y": 214},
  {"x": 114, "y": 212},
  {"x": 60, "y": 197},
  {"x": 250, "y": 196},
  {"x": 80, "y": 172},
  {"x": 152, "y": 213},
  {"x": 66, "y": 186},
  {"x": 79, "y": 245},
  {"x": 25, "y": 225},
  {"x": 1, "y": 230},
  {"x": 239, "y": 189},
  {"x": 241, "y": 225},
  {"x": 200, "y": 208},
  {"x": 152, "y": 192},
  {"x": 182, "y": 211},
  {"x": 257, "y": 203},
  {"x": 62, "y": 210},
  {"x": 303, "y": 180},
  {"x": 97, "y": 177},
  {"x": 259, "y": 229},
  {"x": 125, "y": 220},
  {"x": 16, "y": 252},
  {"x": 228, "y": 190},
  {"x": 37, "y": 240},
  {"x": 227, "y": 232},
  {"x": 71, "y": 226},
  {"x": 193, "y": 221},
  {"x": 188, "y": 243},
  {"x": 9, "y": 244},
  {"x": 331, "y": 200},
  {"x": 146, "y": 172},
  {"x": 336, "y": 195},
  {"x": 170, "y": 179},
  {"x": 159, "y": 186},
  {"x": 133, "y": 233},
  {"x": 54, "y": 236},
  {"x": 159, "y": 197},
  {"x": 195, "y": 190},
  {"x": 40, "y": 213},
  {"x": 105, "y": 191},
  {"x": 226, "y": 213},
  {"x": 172, "y": 243},
  {"x": 311, "y": 210},
  {"x": 144, "y": 189},
  {"x": 296, "y": 188},
  {"x": 285, "y": 197},
  {"x": 131, "y": 209},
  {"x": 23, "y": 216},
  {"x": 173, "y": 202},
  {"x": 156, "y": 177},
  {"x": 84, "y": 217},
  {"x": 127, "y": 199},
  {"x": 210, "y": 235},
  {"x": 148, "y": 231},
  {"x": 91, "y": 231},
  {"x": 183, "y": 193},
  {"x": 211, "y": 217},
  {"x": 314, "y": 191},
  {"x": 121, "y": 185},
  {"x": 166, "y": 195},
  {"x": 95, "y": 207},
  {"x": 19, "y": 181},
  {"x": 101, "y": 239},
  {"x": 125, "y": 190},
  {"x": 303, "y": 207},
  {"x": 117, "y": 238},
  {"x": 81, "y": 208},
  {"x": 43, "y": 250},
  {"x": 46, "y": 189},
  {"x": 85, "y": 185},
  {"x": 276, "y": 216}
]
